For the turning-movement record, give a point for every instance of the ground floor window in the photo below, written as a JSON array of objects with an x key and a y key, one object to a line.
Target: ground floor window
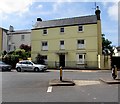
[{"x": 80, "y": 58}]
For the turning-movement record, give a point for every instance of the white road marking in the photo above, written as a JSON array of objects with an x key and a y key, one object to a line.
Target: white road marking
[
  {"x": 94, "y": 98},
  {"x": 49, "y": 89},
  {"x": 88, "y": 94}
]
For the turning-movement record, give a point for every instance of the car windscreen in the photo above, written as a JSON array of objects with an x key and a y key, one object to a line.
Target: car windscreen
[{"x": 2, "y": 63}]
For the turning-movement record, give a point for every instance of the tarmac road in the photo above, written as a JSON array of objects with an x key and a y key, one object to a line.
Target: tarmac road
[{"x": 34, "y": 87}]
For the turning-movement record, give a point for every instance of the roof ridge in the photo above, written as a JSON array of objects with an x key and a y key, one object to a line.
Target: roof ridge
[{"x": 68, "y": 18}]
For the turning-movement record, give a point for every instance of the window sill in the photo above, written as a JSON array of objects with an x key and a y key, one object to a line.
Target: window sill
[
  {"x": 44, "y": 50},
  {"x": 44, "y": 34},
  {"x": 80, "y": 48},
  {"x": 80, "y": 31}
]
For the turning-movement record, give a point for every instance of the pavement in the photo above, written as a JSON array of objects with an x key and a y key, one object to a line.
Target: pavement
[
  {"x": 110, "y": 80},
  {"x": 64, "y": 82}
]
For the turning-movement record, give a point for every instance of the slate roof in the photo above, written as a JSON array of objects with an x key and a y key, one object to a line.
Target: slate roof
[
  {"x": 20, "y": 32},
  {"x": 92, "y": 19}
]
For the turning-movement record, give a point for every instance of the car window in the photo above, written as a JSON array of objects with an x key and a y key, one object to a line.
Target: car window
[
  {"x": 29, "y": 63},
  {"x": 23, "y": 63},
  {"x": 2, "y": 62}
]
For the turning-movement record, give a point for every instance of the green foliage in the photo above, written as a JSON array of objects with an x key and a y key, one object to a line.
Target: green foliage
[
  {"x": 106, "y": 45},
  {"x": 13, "y": 57},
  {"x": 11, "y": 60}
]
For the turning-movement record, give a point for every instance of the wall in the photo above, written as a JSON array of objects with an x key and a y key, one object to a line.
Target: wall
[
  {"x": 0, "y": 39},
  {"x": 16, "y": 41},
  {"x": 70, "y": 37}
]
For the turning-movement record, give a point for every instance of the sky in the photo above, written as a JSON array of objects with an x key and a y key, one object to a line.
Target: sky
[{"x": 22, "y": 14}]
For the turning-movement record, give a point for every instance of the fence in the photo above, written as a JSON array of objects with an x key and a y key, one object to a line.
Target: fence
[{"x": 74, "y": 64}]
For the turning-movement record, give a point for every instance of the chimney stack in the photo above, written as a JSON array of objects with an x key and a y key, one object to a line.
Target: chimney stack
[
  {"x": 39, "y": 19},
  {"x": 97, "y": 12}
]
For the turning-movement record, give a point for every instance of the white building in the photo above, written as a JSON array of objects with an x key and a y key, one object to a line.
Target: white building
[
  {"x": 18, "y": 37},
  {"x": 116, "y": 51}
]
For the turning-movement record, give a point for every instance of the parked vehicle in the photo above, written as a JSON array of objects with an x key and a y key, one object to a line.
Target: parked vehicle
[
  {"x": 5, "y": 67},
  {"x": 29, "y": 66}
]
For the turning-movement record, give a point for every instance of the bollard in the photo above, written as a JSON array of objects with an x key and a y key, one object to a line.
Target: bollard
[
  {"x": 115, "y": 71},
  {"x": 61, "y": 73}
]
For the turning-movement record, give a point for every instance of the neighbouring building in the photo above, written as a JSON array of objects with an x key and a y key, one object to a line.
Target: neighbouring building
[
  {"x": 18, "y": 37},
  {"x": 116, "y": 51},
  {"x": 69, "y": 42},
  {"x": 3, "y": 40}
]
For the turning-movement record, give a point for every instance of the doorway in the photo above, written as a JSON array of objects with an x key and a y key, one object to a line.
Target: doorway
[{"x": 62, "y": 60}]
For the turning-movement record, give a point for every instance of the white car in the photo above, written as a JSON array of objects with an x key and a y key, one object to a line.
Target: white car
[{"x": 29, "y": 65}]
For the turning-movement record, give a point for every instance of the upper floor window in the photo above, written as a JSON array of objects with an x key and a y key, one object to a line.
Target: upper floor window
[
  {"x": 45, "y": 31},
  {"x": 44, "y": 45},
  {"x": 9, "y": 38},
  {"x": 62, "y": 29},
  {"x": 22, "y": 37},
  {"x": 80, "y": 28},
  {"x": 80, "y": 44}
]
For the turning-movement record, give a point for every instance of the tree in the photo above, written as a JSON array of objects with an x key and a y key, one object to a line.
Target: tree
[
  {"x": 107, "y": 48},
  {"x": 25, "y": 47}
]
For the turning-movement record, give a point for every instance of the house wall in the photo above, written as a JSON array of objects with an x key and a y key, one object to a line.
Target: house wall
[
  {"x": 70, "y": 37},
  {"x": 15, "y": 40},
  {"x": 3, "y": 40},
  {"x": 5, "y": 37},
  {"x": 0, "y": 39}
]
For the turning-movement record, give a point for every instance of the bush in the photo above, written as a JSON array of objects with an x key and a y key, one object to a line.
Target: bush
[
  {"x": 13, "y": 57},
  {"x": 11, "y": 60},
  {"x": 39, "y": 59}
]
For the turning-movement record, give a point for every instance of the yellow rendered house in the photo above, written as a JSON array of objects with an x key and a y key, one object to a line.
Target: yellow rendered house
[
  {"x": 3, "y": 40},
  {"x": 0, "y": 39},
  {"x": 71, "y": 42}
]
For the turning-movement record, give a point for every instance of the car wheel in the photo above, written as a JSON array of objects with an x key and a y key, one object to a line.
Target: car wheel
[
  {"x": 18, "y": 69},
  {"x": 36, "y": 69}
]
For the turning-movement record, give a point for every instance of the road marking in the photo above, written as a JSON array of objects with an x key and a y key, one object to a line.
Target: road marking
[
  {"x": 49, "y": 89},
  {"x": 94, "y": 98}
]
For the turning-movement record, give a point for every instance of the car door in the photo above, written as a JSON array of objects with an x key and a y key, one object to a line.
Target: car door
[
  {"x": 24, "y": 65},
  {"x": 29, "y": 66}
]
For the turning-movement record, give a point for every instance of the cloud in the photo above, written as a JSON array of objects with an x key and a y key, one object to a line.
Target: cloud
[
  {"x": 113, "y": 11},
  {"x": 10, "y": 6},
  {"x": 40, "y": 6}
]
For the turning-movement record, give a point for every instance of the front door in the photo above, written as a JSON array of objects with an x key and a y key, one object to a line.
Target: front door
[{"x": 62, "y": 60}]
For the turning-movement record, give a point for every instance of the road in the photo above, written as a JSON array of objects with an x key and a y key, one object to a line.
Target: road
[{"x": 34, "y": 87}]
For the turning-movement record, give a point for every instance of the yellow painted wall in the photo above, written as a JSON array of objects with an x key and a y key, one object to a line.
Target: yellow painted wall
[
  {"x": 0, "y": 39},
  {"x": 70, "y": 37}
]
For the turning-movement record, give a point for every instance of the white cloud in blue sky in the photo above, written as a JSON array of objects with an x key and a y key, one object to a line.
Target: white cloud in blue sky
[{"x": 22, "y": 14}]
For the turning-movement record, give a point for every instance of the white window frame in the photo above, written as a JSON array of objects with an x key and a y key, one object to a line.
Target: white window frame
[
  {"x": 79, "y": 28},
  {"x": 61, "y": 29},
  {"x": 62, "y": 46},
  {"x": 44, "y": 45},
  {"x": 80, "y": 44},
  {"x": 44, "y": 31},
  {"x": 80, "y": 58},
  {"x": 22, "y": 37}
]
